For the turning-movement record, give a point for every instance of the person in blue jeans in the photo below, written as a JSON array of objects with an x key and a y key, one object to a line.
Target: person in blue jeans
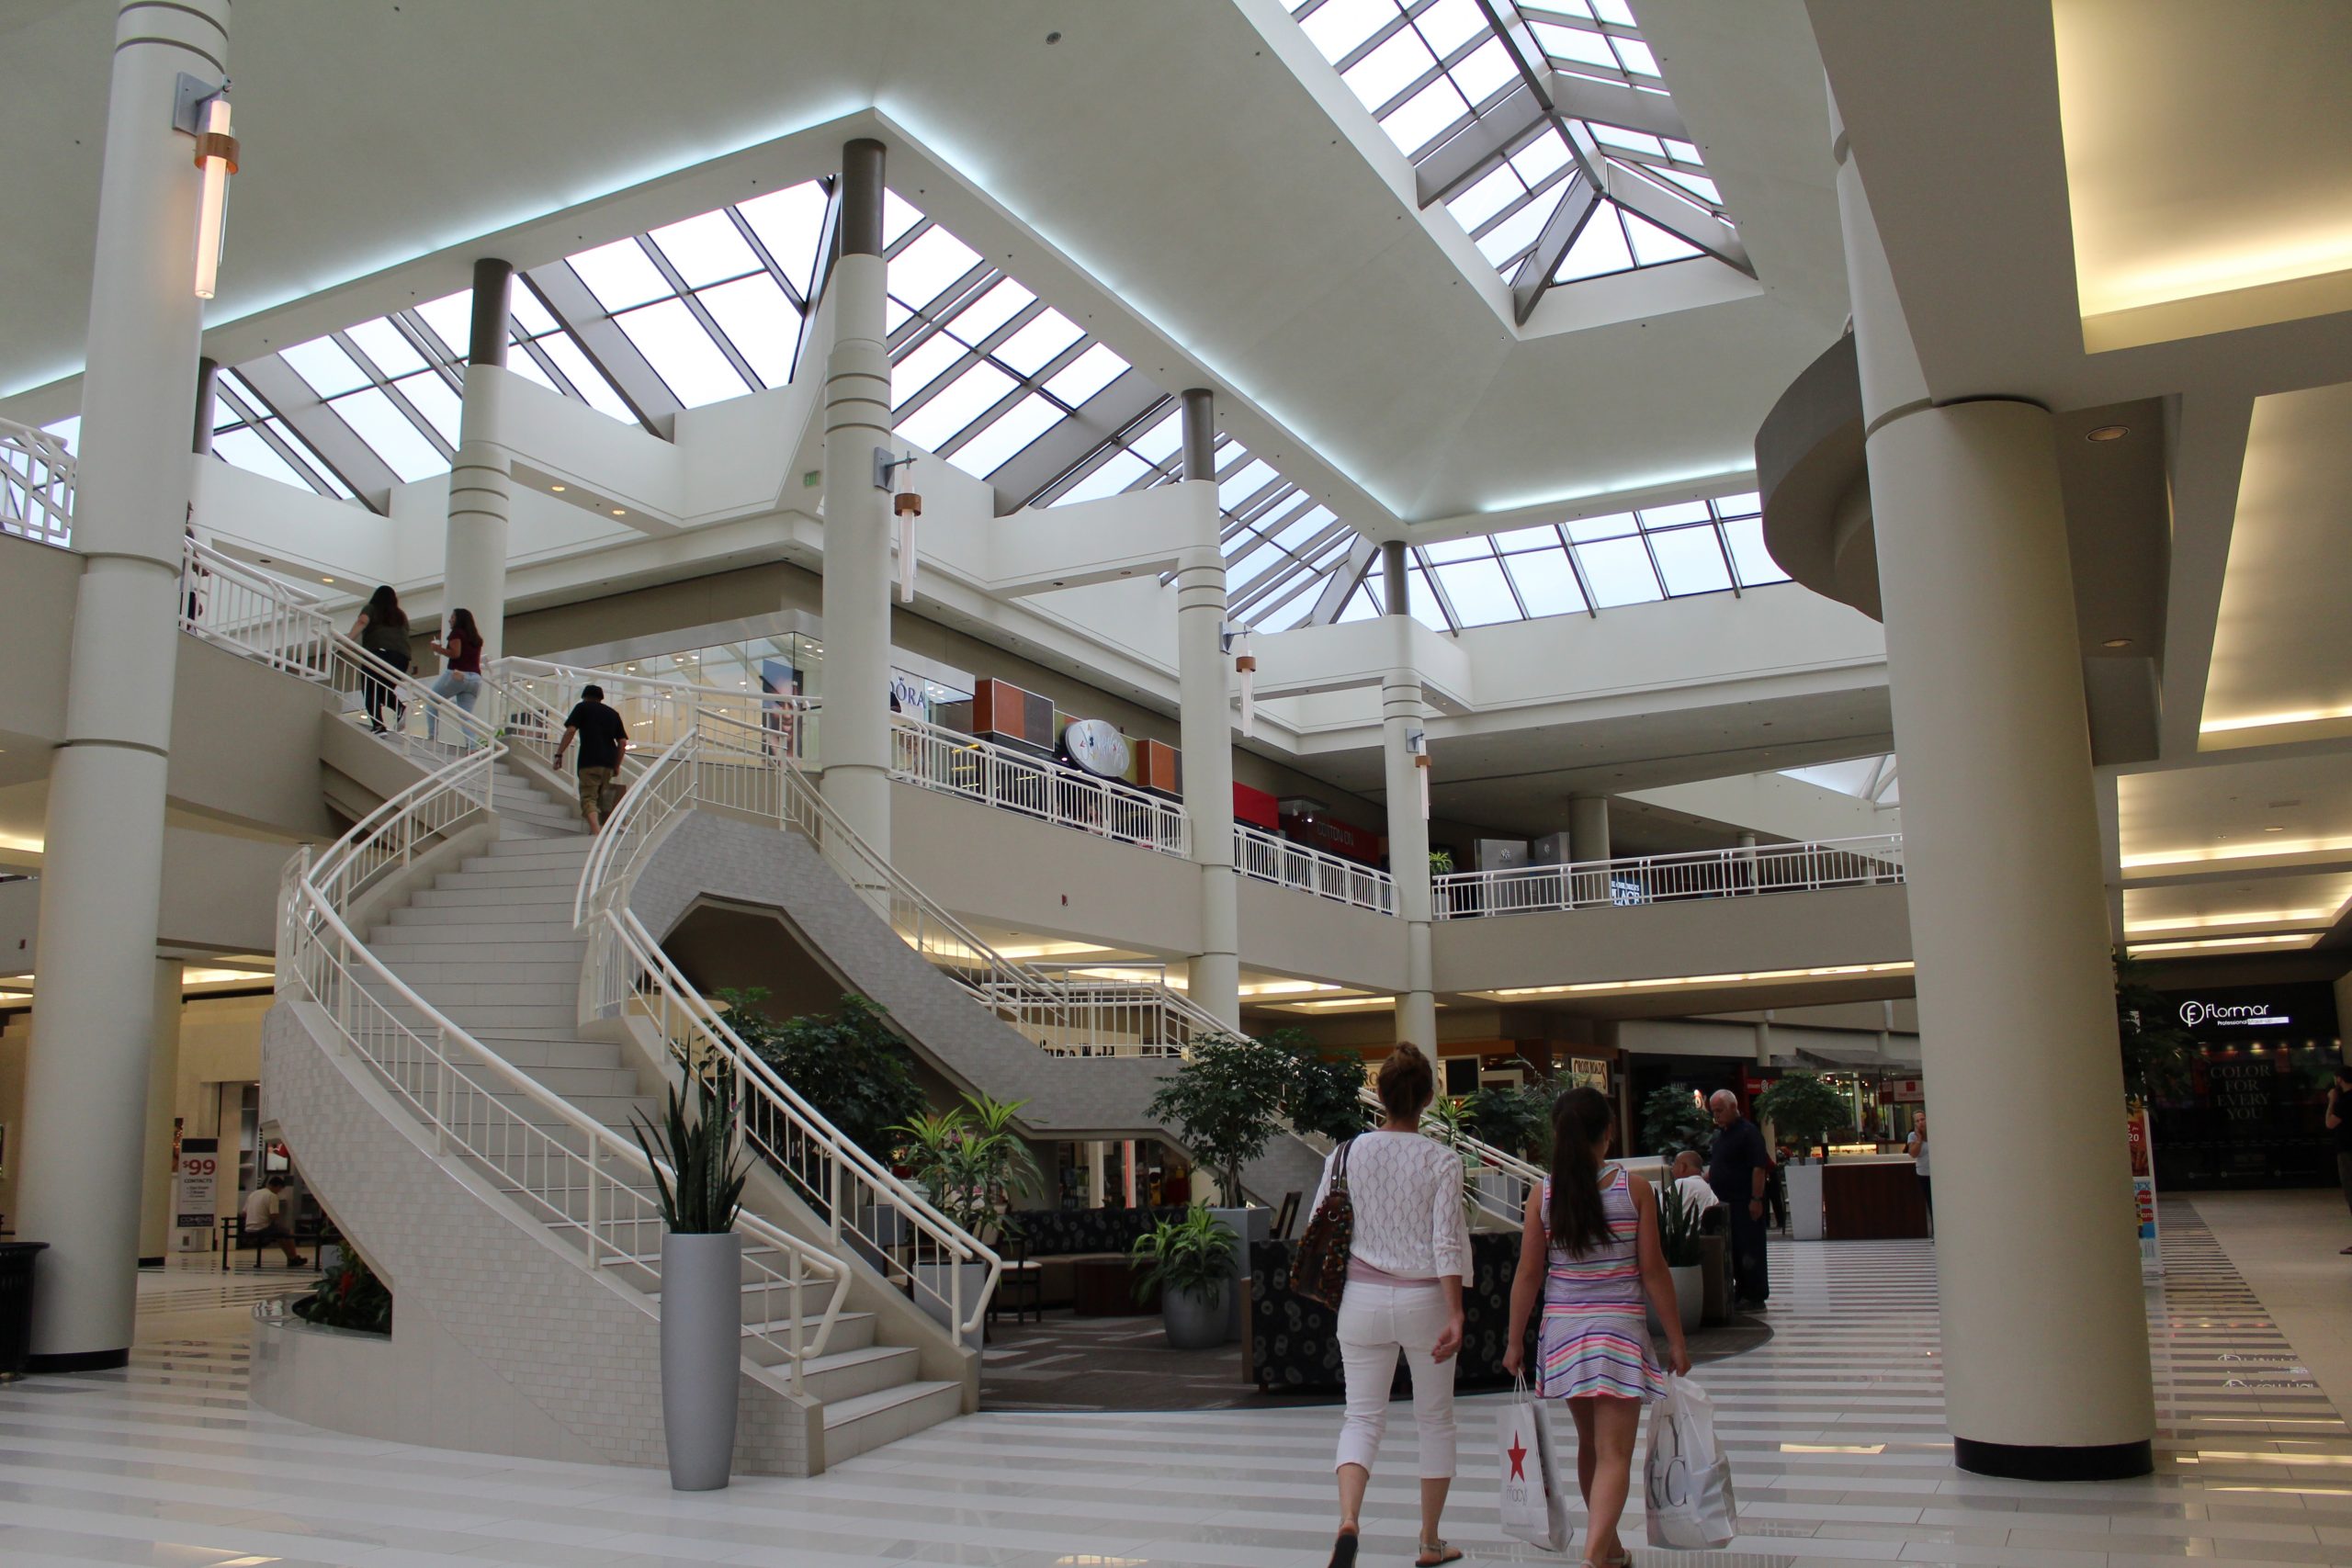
[{"x": 461, "y": 680}]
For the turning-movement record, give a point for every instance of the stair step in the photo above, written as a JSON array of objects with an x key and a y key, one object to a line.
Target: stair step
[
  {"x": 582, "y": 1082},
  {"x": 472, "y": 932},
  {"x": 425, "y": 976},
  {"x": 529, "y": 1044},
  {"x": 866, "y": 1421},
  {"x": 555, "y": 897},
  {"x": 839, "y": 1376},
  {"x": 503, "y": 876},
  {"x": 553, "y": 913},
  {"x": 454, "y": 997}
]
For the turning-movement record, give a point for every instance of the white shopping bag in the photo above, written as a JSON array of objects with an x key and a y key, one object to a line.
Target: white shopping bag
[
  {"x": 1533, "y": 1508},
  {"x": 1688, "y": 1479}
]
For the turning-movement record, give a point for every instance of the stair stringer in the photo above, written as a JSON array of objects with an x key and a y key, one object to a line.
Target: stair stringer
[
  {"x": 557, "y": 1362},
  {"x": 709, "y": 858}
]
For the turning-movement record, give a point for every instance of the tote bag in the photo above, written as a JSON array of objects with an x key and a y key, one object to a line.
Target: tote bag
[
  {"x": 1533, "y": 1509},
  {"x": 1319, "y": 1272},
  {"x": 1686, "y": 1482}
]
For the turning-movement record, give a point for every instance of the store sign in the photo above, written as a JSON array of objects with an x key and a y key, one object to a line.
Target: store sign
[
  {"x": 1097, "y": 747},
  {"x": 909, "y": 696},
  {"x": 2231, "y": 1015},
  {"x": 1903, "y": 1092},
  {"x": 2139, "y": 1138},
  {"x": 1584, "y": 1072},
  {"x": 196, "y": 1192}
]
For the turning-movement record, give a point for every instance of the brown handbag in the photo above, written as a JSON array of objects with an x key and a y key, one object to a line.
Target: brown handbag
[{"x": 1319, "y": 1271}]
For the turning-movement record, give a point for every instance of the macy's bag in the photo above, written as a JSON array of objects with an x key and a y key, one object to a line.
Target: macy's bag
[
  {"x": 1319, "y": 1272},
  {"x": 1533, "y": 1509},
  {"x": 1688, "y": 1479}
]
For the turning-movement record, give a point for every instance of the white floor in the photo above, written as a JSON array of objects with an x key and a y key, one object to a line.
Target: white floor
[{"x": 1835, "y": 1428}]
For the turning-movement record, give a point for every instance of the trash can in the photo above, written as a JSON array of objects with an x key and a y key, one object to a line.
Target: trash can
[{"x": 16, "y": 1304}]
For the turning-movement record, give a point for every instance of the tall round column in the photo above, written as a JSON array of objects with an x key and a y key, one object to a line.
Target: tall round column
[
  {"x": 1589, "y": 828},
  {"x": 482, "y": 480},
  {"x": 1403, "y": 714},
  {"x": 1205, "y": 723},
  {"x": 163, "y": 1098},
  {"x": 854, "y": 732},
  {"x": 85, "y": 1086},
  {"x": 2045, "y": 1338}
]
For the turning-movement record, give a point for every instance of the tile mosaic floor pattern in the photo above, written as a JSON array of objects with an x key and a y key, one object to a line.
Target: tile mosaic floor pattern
[{"x": 1835, "y": 1430}]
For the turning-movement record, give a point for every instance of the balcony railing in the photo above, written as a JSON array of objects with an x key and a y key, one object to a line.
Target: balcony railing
[
  {"x": 1661, "y": 879},
  {"x": 957, "y": 763},
  {"x": 1259, "y": 854},
  {"x": 35, "y": 485}
]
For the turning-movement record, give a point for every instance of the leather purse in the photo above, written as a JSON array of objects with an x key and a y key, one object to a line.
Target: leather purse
[{"x": 1319, "y": 1271}]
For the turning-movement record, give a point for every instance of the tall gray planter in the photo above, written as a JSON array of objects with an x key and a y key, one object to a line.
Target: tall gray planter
[
  {"x": 1249, "y": 1225},
  {"x": 702, "y": 1355}
]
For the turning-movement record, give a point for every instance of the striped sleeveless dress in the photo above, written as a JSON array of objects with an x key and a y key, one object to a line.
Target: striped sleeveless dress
[{"x": 1594, "y": 1340}]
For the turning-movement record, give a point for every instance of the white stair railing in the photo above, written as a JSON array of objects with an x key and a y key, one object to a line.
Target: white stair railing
[
  {"x": 571, "y": 1173},
  {"x": 536, "y": 695},
  {"x": 35, "y": 485},
  {"x": 1499, "y": 1181},
  {"x": 1268, "y": 858},
  {"x": 954, "y": 763},
  {"x": 1875, "y": 861}
]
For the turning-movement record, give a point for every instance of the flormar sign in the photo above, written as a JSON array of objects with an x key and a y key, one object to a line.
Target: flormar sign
[{"x": 2231, "y": 1015}]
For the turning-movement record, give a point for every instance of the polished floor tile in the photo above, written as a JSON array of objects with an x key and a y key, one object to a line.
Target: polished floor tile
[{"x": 1835, "y": 1430}]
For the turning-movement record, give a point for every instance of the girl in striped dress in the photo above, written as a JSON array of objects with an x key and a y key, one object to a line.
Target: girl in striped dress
[{"x": 1590, "y": 1244}]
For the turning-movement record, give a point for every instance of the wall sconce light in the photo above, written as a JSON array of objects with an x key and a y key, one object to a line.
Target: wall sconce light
[
  {"x": 906, "y": 506},
  {"x": 201, "y": 110},
  {"x": 1245, "y": 664},
  {"x": 1417, "y": 742}
]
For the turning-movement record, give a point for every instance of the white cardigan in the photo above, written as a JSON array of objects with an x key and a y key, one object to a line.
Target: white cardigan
[{"x": 1407, "y": 1191}]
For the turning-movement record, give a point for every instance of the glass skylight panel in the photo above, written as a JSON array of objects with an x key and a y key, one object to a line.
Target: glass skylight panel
[
  {"x": 385, "y": 347},
  {"x": 924, "y": 364},
  {"x": 1479, "y": 594},
  {"x": 789, "y": 223},
  {"x": 432, "y": 397},
  {"x": 1005, "y": 300},
  {"x": 390, "y": 433},
  {"x": 933, "y": 261},
  {"x": 760, "y": 321},
  {"x": 990, "y": 450},
  {"x": 675, "y": 344},
  {"x": 1426, "y": 69},
  {"x": 1037, "y": 345},
  {"x": 1118, "y": 474},
  {"x": 245, "y": 449},
  {"x": 577, "y": 368},
  {"x": 957, "y": 404},
  {"x": 523, "y": 304},
  {"x": 1620, "y": 573},
  {"x": 621, "y": 274},
  {"x": 705, "y": 250},
  {"x": 1547, "y": 583},
  {"x": 1086, "y": 375},
  {"x": 325, "y": 367},
  {"x": 1244, "y": 483},
  {"x": 1690, "y": 560}
]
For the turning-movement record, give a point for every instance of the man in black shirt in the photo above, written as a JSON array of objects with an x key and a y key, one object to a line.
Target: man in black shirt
[
  {"x": 1738, "y": 1165},
  {"x": 603, "y": 740},
  {"x": 2339, "y": 1128}
]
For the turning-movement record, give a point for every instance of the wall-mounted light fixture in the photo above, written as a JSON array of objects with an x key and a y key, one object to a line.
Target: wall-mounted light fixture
[
  {"x": 1417, "y": 742},
  {"x": 1245, "y": 664},
  {"x": 200, "y": 109},
  {"x": 906, "y": 505}
]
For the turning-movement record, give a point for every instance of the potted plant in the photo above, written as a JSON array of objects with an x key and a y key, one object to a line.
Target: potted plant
[
  {"x": 1677, "y": 1238},
  {"x": 1803, "y": 1109},
  {"x": 1673, "y": 1120},
  {"x": 699, "y": 1180},
  {"x": 1187, "y": 1264},
  {"x": 1448, "y": 1120},
  {"x": 1516, "y": 1120},
  {"x": 974, "y": 1165}
]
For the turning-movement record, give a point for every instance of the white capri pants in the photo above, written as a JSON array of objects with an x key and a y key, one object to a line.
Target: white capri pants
[{"x": 1375, "y": 1322}]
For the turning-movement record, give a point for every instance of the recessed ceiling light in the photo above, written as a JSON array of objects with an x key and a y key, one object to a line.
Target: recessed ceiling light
[
  {"x": 327, "y": 580},
  {"x": 2110, "y": 433},
  {"x": 558, "y": 489},
  {"x": 2117, "y": 642},
  {"x": 620, "y": 510},
  {"x": 2274, "y": 828}
]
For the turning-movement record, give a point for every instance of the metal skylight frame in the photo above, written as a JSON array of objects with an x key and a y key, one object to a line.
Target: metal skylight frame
[{"x": 1545, "y": 129}]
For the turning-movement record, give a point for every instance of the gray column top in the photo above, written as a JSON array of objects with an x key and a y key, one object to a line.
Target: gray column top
[
  {"x": 493, "y": 301},
  {"x": 861, "y": 225},
  {"x": 1200, "y": 434}
]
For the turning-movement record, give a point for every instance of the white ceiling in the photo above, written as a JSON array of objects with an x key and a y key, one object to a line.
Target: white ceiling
[{"x": 1165, "y": 151}]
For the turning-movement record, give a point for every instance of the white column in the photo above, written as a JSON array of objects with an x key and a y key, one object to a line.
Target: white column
[
  {"x": 85, "y": 1086},
  {"x": 481, "y": 479},
  {"x": 163, "y": 1100},
  {"x": 1096, "y": 1152},
  {"x": 855, "y": 731},
  {"x": 1589, "y": 828},
  {"x": 2045, "y": 1348},
  {"x": 1404, "y": 714},
  {"x": 1205, "y": 721}
]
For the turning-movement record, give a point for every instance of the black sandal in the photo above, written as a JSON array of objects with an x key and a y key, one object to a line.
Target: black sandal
[{"x": 1343, "y": 1550}]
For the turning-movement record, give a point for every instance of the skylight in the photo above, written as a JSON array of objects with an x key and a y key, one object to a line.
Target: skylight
[
  {"x": 1545, "y": 131},
  {"x": 1873, "y": 779}
]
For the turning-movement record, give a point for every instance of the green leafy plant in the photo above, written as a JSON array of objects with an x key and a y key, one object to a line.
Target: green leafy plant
[
  {"x": 349, "y": 1295},
  {"x": 1326, "y": 1090},
  {"x": 1515, "y": 1119},
  {"x": 972, "y": 1160},
  {"x": 1678, "y": 1229},
  {"x": 846, "y": 1064},
  {"x": 700, "y": 1151},
  {"x": 2156, "y": 1049},
  {"x": 1228, "y": 1102},
  {"x": 1193, "y": 1256},
  {"x": 1673, "y": 1121},
  {"x": 1441, "y": 862},
  {"x": 1804, "y": 1110}
]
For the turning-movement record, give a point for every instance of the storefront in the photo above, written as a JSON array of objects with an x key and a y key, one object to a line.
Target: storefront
[{"x": 2252, "y": 1112}]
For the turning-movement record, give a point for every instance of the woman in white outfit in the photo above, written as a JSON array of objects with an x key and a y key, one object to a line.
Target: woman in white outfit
[{"x": 1406, "y": 1263}]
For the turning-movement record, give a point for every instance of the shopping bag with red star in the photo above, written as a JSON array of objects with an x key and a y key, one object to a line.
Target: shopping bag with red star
[{"x": 1533, "y": 1509}]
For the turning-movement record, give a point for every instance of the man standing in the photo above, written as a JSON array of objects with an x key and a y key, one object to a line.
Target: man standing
[
  {"x": 2339, "y": 1128},
  {"x": 1738, "y": 1165},
  {"x": 264, "y": 1208},
  {"x": 603, "y": 740}
]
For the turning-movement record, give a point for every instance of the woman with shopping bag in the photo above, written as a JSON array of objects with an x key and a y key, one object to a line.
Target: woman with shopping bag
[{"x": 1589, "y": 1247}]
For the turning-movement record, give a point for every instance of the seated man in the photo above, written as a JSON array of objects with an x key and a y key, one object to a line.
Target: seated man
[
  {"x": 265, "y": 1211},
  {"x": 1691, "y": 1184}
]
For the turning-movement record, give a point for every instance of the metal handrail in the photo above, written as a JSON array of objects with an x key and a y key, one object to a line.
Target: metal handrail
[
  {"x": 1268, "y": 857},
  {"x": 953, "y": 763},
  {"x": 464, "y": 1091},
  {"x": 1874, "y": 860},
  {"x": 657, "y": 711},
  {"x": 894, "y": 1226},
  {"x": 37, "y": 474},
  {"x": 1521, "y": 1176}
]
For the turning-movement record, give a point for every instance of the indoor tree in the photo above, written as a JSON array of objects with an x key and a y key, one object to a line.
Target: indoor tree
[
  {"x": 973, "y": 1160},
  {"x": 1673, "y": 1121},
  {"x": 1803, "y": 1109},
  {"x": 1514, "y": 1119},
  {"x": 2156, "y": 1049},
  {"x": 1326, "y": 1091},
  {"x": 1228, "y": 1101},
  {"x": 846, "y": 1064}
]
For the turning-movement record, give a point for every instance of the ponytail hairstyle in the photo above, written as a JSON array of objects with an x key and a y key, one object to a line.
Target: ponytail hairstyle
[
  {"x": 384, "y": 608},
  {"x": 462, "y": 629},
  {"x": 1581, "y": 1122}
]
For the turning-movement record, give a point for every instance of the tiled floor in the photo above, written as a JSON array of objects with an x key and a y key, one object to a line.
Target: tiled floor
[{"x": 1834, "y": 1424}]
